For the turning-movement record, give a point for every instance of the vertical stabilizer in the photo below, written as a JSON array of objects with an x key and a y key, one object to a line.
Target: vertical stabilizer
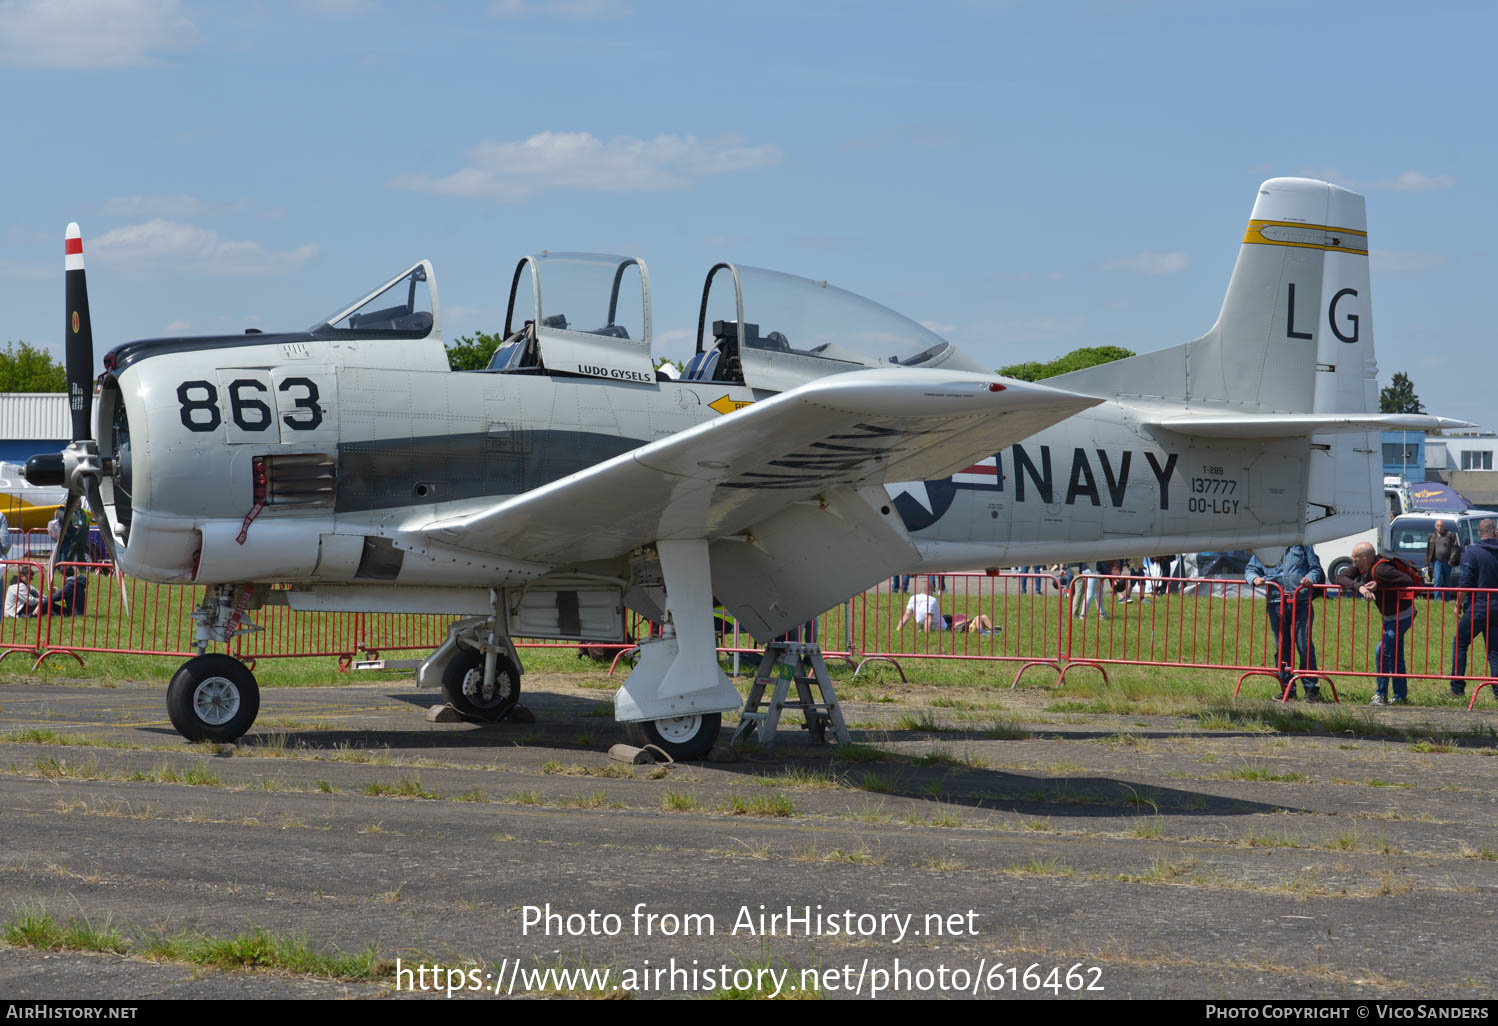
[{"x": 1294, "y": 334}]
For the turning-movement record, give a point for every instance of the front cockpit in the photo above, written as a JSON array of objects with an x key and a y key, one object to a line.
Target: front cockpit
[{"x": 403, "y": 307}]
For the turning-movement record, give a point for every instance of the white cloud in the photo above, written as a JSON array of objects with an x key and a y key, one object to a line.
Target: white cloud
[
  {"x": 578, "y": 160},
  {"x": 1408, "y": 181},
  {"x": 1149, "y": 263},
  {"x": 179, "y": 327},
  {"x": 91, "y": 34},
  {"x": 158, "y": 246},
  {"x": 580, "y": 9}
]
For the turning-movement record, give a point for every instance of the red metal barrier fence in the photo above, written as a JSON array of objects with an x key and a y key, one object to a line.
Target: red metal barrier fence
[
  {"x": 1353, "y": 631},
  {"x": 1217, "y": 624},
  {"x": 1029, "y": 619},
  {"x": 994, "y": 618}
]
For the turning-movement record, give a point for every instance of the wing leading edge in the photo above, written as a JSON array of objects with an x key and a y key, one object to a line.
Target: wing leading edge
[{"x": 721, "y": 477}]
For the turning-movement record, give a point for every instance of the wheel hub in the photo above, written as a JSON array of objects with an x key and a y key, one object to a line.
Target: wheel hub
[
  {"x": 216, "y": 701},
  {"x": 476, "y": 691},
  {"x": 679, "y": 729}
]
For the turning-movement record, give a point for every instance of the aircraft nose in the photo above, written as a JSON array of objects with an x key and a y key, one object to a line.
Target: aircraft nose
[{"x": 44, "y": 471}]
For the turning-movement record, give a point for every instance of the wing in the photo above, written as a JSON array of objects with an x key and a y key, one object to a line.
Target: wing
[{"x": 719, "y": 478}]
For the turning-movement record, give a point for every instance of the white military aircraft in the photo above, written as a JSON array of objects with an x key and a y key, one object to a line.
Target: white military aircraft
[{"x": 568, "y": 482}]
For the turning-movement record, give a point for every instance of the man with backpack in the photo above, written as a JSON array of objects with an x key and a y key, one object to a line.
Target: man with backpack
[
  {"x": 1386, "y": 580},
  {"x": 1479, "y": 569}
]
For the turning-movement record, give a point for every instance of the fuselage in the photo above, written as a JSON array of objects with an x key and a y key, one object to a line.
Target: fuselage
[{"x": 355, "y": 440}]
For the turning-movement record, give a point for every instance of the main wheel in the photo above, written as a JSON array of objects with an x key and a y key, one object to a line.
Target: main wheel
[
  {"x": 213, "y": 697},
  {"x": 1334, "y": 571},
  {"x": 463, "y": 682},
  {"x": 684, "y": 738}
]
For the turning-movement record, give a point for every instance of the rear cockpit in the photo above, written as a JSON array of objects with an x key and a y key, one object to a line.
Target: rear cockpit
[{"x": 585, "y": 314}]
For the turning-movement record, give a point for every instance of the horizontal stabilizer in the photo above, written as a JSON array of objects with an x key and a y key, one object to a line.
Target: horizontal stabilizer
[{"x": 1295, "y": 425}]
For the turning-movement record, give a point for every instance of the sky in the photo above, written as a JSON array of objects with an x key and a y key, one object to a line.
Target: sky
[{"x": 1023, "y": 178}]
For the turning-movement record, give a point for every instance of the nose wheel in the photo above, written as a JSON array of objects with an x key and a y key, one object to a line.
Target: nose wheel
[{"x": 213, "y": 697}]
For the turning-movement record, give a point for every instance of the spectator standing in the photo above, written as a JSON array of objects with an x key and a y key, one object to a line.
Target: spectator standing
[
  {"x": 1442, "y": 553},
  {"x": 1479, "y": 569},
  {"x": 4, "y": 537},
  {"x": 1093, "y": 592},
  {"x": 1291, "y": 611},
  {"x": 1387, "y": 581}
]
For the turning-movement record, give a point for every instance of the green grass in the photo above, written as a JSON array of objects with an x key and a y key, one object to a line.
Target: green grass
[
  {"x": 33, "y": 926},
  {"x": 407, "y": 787},
  {"x": 775, "y": 806}
]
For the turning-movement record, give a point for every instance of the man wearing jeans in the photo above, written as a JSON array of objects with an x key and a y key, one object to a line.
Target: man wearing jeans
[
  {"x": 1290, "y": 611},
  {"x": 1479, "y": 569},
  {"x": 1442, "y": 553},
  {"x": 1388, "y": 585}
]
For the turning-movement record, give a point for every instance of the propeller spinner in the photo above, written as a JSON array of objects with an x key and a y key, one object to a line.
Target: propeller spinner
[{"x": 78, "y": 467}]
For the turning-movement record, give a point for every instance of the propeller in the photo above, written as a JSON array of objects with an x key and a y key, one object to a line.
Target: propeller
[{"x": 78, "y": 467}]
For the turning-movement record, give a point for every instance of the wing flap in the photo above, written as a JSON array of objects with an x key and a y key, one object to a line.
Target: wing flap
[
  {"x": 718, "y": 478},
  {"x": 1295, "y": 425}
]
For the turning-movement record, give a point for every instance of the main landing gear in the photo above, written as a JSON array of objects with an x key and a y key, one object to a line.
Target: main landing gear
[
  {"x": 477, "y": 667},
  {"x": 684, "y": 738},
  {"x": 214, "y": 697}
]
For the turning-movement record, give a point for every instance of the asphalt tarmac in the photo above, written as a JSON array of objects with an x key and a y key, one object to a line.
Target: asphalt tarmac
[{"x": 974, "y": 841}]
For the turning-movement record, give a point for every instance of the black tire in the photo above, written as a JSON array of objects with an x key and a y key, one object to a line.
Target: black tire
[
  {"x": 463, "y": 683},
  {"x": 1338, "y": 565},
  {"x": 684, "y": 738},
  {"x": 213, "y": 697}
]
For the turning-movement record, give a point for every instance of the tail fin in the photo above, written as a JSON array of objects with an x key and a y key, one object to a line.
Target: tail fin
[{"x": 1295, "y": 334}]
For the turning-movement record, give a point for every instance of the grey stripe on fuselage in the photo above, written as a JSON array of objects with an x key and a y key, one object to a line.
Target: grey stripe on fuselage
[{"x": 386, "y": 474}]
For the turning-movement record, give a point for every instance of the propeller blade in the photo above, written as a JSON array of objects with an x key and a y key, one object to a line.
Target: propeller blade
[
  {"x": 67, "y": 518},
  {"x": 79, "y": 334},
  {"x": 101, "y": 517}
]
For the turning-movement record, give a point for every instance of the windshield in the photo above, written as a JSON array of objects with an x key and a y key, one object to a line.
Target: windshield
[
  {"x": 1407, "y": 539},
  {"x": 787, "y": 314},
  {"x": 402, "y": 308}
]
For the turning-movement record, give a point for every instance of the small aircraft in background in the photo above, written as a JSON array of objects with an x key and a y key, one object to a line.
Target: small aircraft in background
[
  {"x": 569, "y": 482},
  {"x": 27, "y": 508}
]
